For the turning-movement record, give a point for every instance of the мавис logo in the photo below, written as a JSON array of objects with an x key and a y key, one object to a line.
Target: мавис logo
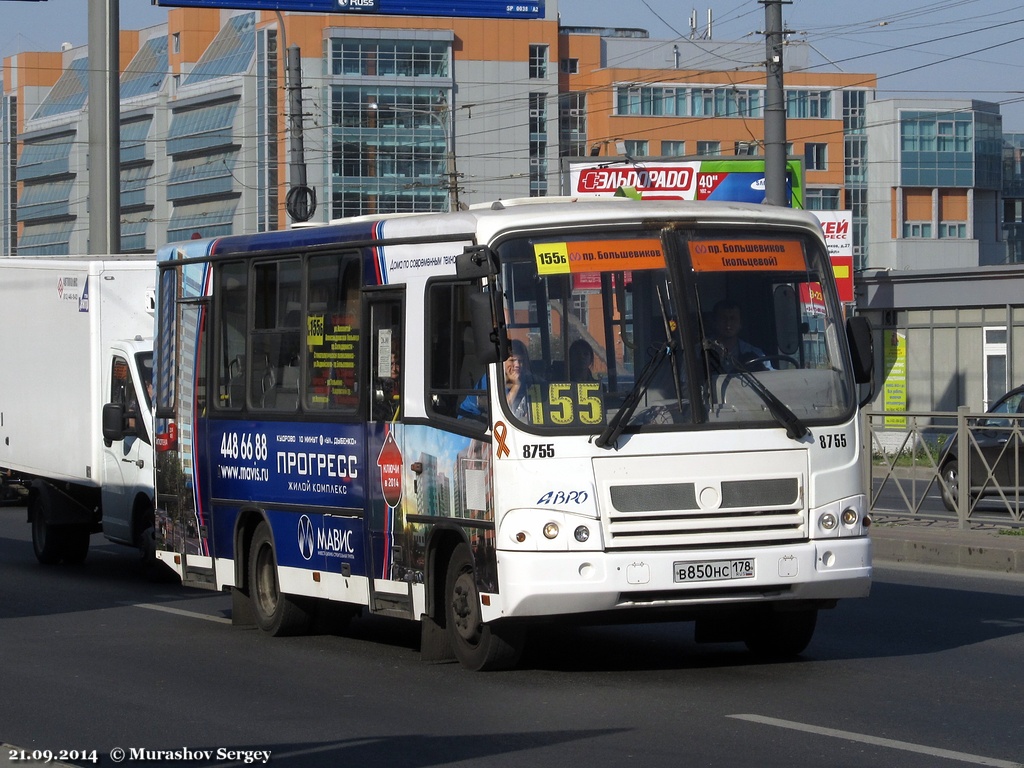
[{"x": 305, "y": 537}]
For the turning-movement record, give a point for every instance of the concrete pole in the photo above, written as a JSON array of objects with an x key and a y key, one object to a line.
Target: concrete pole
[
  {"x": 774, "y": 107},
  {"x": 104, "y": 127}
]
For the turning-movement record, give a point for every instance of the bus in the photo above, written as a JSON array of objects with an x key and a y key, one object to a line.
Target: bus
[{"x": 520, "y": 413}]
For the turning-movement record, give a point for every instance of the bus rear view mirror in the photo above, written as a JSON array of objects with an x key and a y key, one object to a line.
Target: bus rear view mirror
[
  {"x": 475, "y": 262},
  {"x": 489, "y": 337},
  {"x": 858, "y": 333}
]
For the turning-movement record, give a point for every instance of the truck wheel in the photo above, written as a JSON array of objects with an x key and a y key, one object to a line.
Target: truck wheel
[
  {"x": 478, "y": 646},
  {"x": 276, "y": 613},
  {"x": 782, "y": 634},
  {"x": 75, "y": 543},
  {"x": 45, "y": 537}
]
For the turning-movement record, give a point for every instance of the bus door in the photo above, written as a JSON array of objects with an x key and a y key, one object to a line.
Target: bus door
[
  {"x": 183, "y": 511},
  {"x": 389, "y": 551}
]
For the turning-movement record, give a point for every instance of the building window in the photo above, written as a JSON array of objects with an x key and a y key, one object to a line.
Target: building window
[
  {"x": 677, "y": 101},
  {"x": 538, "y": 62},
  {"x": 673, "y": 148},
  {"x": 817, "y": 199},
  {"x": 635, "y": 148},
  {"x": 917, "y": 230},
  {"x": 572, "y": 124},
  {"x": 745, "y": 148},
  {"x": 709, "y": 147},
  {"x": 393, "y": 58},
  {"x": 816, "y": 157},
  {"x": 570, "y": 66},
  {"x": 953, "y": 229},
  {"x": 809, "y": 104},
  {"x": 995, "y": 364},
  {"x": 538, "y": 145},
  {"x": 176, "y": 42},
  {"x": 853, "y": 111},
  {"x": 941, "y": 149}
]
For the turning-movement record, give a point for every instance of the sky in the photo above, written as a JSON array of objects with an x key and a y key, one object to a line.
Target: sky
[{"x": 959, "y": 49}]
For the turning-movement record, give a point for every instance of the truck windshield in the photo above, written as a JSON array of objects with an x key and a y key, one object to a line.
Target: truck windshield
[
  {"x": 618, "y": 331},
  {"x": 145, "y": 363}
]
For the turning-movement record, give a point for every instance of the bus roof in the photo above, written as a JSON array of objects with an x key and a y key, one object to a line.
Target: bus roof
[{"x": 483, "y": 222}]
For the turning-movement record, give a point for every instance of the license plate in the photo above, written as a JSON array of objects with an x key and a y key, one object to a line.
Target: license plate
[{"x": 713, "y": 570}]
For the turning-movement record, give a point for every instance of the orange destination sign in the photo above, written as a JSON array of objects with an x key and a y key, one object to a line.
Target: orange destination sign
[
  {"x": 598, "y": 256},
  {"x": 721, "y": 255}
]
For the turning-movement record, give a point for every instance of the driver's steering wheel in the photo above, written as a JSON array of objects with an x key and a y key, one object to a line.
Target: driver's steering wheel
[{"x": 759, "y": 360}]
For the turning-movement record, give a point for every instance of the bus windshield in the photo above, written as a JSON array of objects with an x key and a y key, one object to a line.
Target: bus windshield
[{"x": 672, "y": 329}]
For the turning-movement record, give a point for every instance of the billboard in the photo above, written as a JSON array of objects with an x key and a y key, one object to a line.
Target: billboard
[
  {"x": 838, "y": 229},
  {"x": 494, "y": 9},
  {"x": 735, "y": 179}
]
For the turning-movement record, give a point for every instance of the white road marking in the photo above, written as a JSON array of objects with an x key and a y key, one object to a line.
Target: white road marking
[
  {"x": 180, "y": 612},
  {"x": 906, "y": 746}
]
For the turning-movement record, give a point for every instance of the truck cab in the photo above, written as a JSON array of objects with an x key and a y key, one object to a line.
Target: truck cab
[{"x": 127, "y": 483}]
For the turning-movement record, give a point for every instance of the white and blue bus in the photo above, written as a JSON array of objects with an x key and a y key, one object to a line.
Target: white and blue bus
[{"x": 529, "y": 411}]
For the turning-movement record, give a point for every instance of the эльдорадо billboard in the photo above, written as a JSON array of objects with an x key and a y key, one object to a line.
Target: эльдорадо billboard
[{"x": 736, "y": 180}]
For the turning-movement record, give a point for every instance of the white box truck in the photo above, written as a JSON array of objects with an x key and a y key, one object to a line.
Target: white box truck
[{"x": 76, "y": 427}]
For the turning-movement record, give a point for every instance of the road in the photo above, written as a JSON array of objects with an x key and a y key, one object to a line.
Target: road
[{"x": 924, "y": 673}]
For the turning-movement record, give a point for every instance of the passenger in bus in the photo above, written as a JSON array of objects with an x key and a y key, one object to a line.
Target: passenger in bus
[
  {"x": 518, "y": 378},
  {"x": 389, "y": 390},
  {"x": 581, "y": 361},
  {"x": 727, "y": 322}
]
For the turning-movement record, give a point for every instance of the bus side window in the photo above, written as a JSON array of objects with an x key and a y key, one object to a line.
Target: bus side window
[
  {"x": 232, "y": 304},
  {"x": 455, "y": 372},
  {"x": 331, "y": 333}
]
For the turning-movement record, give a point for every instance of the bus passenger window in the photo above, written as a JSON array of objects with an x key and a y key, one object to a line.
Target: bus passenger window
[{"x": 332, "y": 333}]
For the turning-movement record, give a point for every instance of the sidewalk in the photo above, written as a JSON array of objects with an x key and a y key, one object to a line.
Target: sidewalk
[{"x": 943, "y": 543}]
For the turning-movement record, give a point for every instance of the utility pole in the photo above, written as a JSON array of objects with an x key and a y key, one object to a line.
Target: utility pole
[
  {"x": 774, "y": 107},
  {"x": 104, "y": 126},
  {"x": 301, "y": 198}
]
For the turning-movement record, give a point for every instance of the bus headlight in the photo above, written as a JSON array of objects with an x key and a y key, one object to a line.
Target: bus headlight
[
  {"x": 546, "y": 530},
  {"x": 827, "y": 522},
  {"x": 850, "y": 517}
]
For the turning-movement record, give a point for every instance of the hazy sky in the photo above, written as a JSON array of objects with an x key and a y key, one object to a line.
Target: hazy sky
[{"x": 920, "y": 48}]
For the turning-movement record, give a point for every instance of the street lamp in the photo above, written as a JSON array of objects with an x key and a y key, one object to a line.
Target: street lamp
[{"x": 441, "y": 117}]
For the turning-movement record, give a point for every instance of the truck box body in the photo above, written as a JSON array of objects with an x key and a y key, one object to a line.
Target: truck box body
[{"x": 58, "y": 320}]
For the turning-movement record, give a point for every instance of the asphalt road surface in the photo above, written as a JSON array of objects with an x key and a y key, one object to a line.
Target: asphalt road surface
[{"x": 99, "y": 666}]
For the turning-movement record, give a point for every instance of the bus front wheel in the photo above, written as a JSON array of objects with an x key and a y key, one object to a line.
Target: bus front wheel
[
  {"x": 276, "y": 613},
  {"x": 478, "y": 646},
  {"x": 782, "y": 634}
]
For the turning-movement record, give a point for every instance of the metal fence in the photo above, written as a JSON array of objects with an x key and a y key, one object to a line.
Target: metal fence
[{"x": 954, "y": 466}]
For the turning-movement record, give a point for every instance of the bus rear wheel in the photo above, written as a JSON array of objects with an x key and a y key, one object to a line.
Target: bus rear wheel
[
  {"x": 276, "y": 613},
  {"x": 477, "y": 646}
]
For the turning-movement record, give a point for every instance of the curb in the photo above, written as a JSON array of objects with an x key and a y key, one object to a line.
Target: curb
[{"x": 983, "y": 550}]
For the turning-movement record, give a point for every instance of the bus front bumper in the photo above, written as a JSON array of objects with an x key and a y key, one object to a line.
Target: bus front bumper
[{"x": 558, "y": 583}]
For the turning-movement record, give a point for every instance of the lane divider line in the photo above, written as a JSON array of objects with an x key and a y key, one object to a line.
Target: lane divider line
[
  {"x": 181, "y": 612},
  {"x": 906, "y": 746}
]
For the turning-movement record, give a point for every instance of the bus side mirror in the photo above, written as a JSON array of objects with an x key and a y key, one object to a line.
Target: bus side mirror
[
  {"x": 490, "y": 338},
  {"x": 858, "y": 333},
  {"x": 113, "y": 423},
  {"x": 475, "y": 262}
]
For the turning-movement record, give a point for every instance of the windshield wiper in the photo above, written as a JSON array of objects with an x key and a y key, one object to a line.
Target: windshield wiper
[
  {"x": 618, "y": 423},
  {"x": 795, "y": 428}
]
